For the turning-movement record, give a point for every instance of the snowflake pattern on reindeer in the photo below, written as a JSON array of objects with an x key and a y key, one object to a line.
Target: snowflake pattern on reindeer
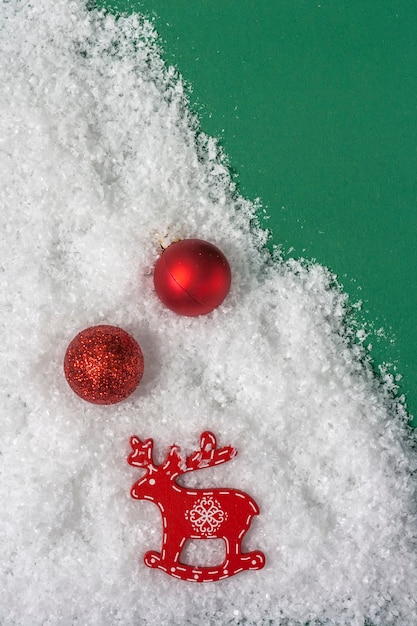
[
  {"x": 194, "y": 513},
  {"x": 206, "y": 516}
]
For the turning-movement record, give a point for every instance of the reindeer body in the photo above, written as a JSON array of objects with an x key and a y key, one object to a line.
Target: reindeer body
[{"x": 194, "y": 513}]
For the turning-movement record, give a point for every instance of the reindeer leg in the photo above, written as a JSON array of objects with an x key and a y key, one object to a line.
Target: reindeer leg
[
  {"x": 171, "y": 550},
  {"x": 168, "y": 559},
  {"x": 236, "y": 561},
  {"x": 233, "y": 553}
]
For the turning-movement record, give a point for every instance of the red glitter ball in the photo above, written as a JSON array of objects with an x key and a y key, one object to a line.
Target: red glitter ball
[
  {"x": 103, "y": 364},
  {"x": 192, "y": 277}
]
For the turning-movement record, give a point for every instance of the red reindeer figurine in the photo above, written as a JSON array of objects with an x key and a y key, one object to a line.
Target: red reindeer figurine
[{"x": 194, "y": 513}]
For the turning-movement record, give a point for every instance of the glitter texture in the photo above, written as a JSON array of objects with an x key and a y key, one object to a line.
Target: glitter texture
[{"x": 103, "y": 364}]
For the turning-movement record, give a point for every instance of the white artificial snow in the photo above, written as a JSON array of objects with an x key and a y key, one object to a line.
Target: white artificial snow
[{"x": 100, "y": 160}]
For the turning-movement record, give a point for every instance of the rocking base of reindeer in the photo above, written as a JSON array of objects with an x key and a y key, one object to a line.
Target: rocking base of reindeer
[{"x": 250, "y": 561}]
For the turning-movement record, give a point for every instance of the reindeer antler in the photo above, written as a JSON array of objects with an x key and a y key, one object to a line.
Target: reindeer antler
[
  {"x": 142, "y": 453},
  {"x": 174, "y": 465},
  {"x": 209, "y": 454}
]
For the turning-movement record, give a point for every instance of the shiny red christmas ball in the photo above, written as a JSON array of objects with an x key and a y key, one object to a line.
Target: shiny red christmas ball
[
  {"x": 103, "y": 364},
  {"x": 192, "y": 277}
]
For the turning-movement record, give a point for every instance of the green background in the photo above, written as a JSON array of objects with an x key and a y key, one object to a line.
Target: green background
[{"x": 315, "y": 104}]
